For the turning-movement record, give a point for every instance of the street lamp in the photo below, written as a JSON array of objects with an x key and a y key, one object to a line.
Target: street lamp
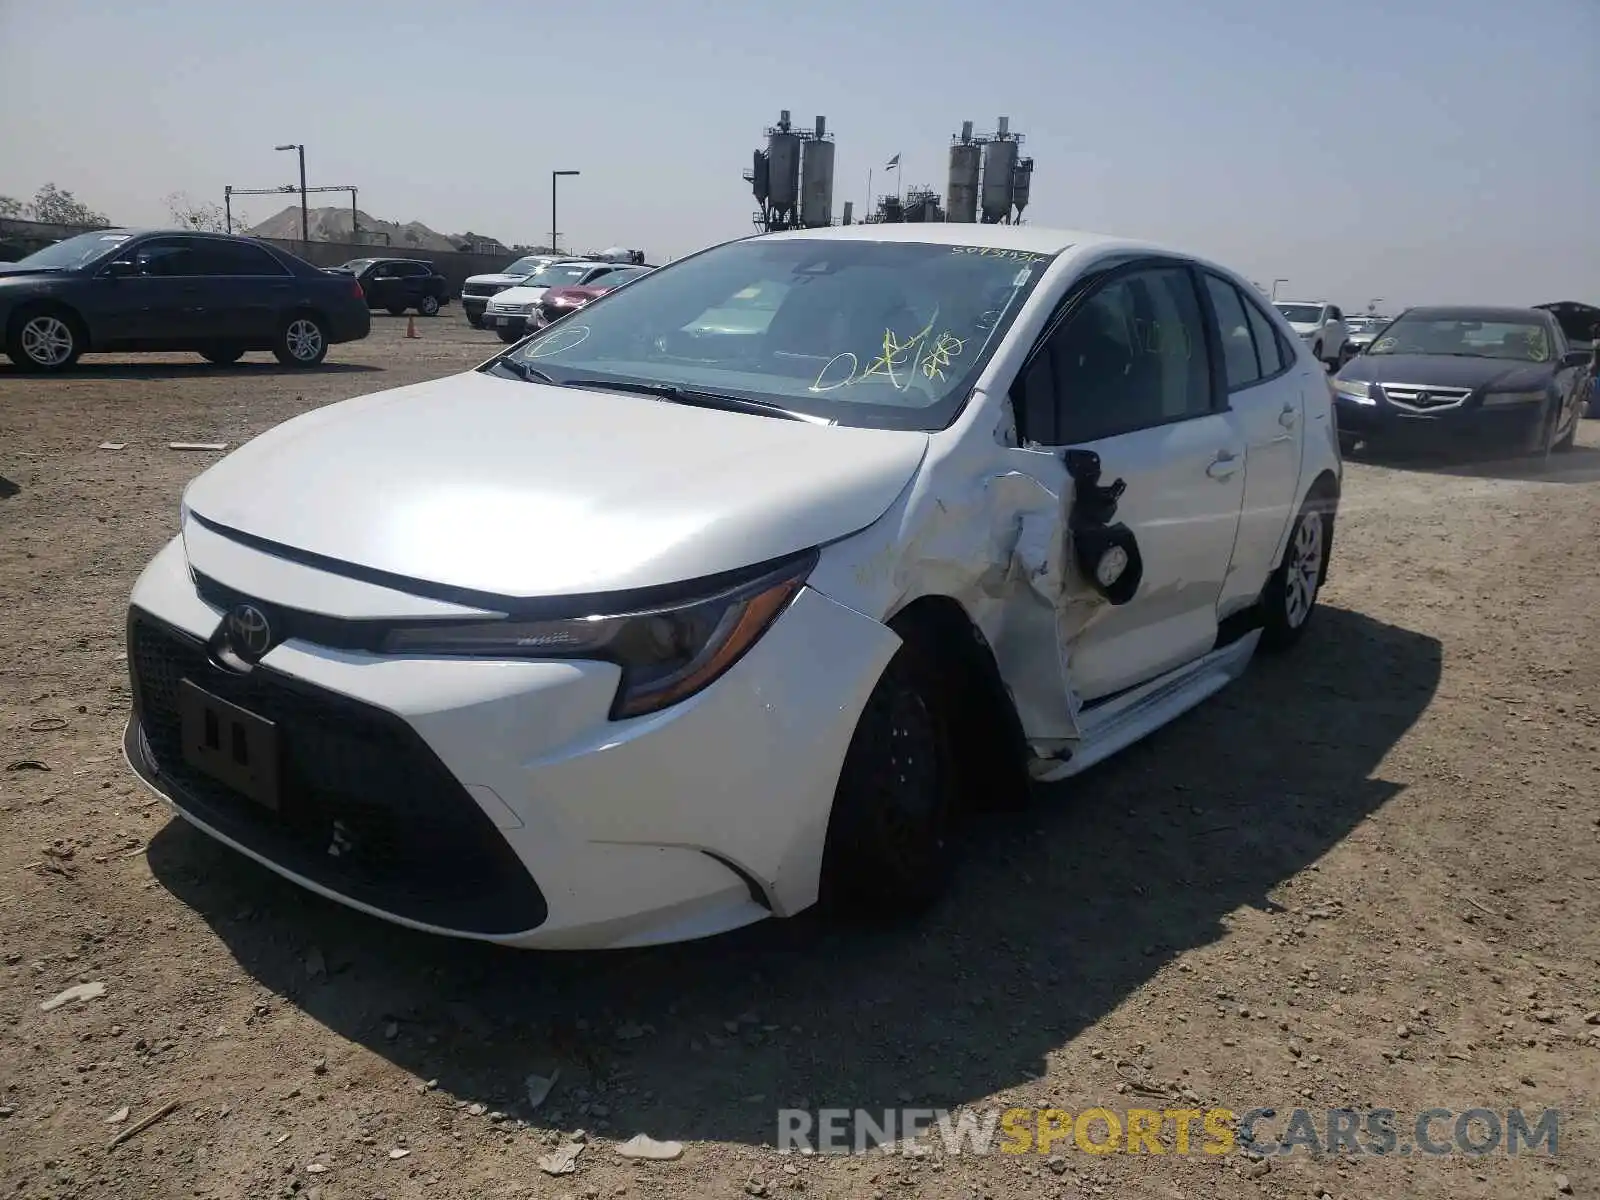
[
  {"x": 555, "y": 175},
  {"x": 1275, "y": 284},
  {"x": 1372, "y": 305},
  {"x": 305, "y": 213}
]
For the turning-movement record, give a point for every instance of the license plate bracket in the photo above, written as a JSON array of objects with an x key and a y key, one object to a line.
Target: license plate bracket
[{"x": 231, "y": 744}]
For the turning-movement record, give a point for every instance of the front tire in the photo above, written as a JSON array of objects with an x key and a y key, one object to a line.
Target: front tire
[
  {"x": 1289, "y": 600},
  {"x": 45, "y": 339},
  {"x": 222, "y": 356},
  {"x": 429, "y": 307},
  {"x": 509, "y": 335},
  {"x": 302, "y": 342},
  {"x": 889, "y": 848},
  {"x": 475, "y": 322},
  {"x": 395, "y": 310}
]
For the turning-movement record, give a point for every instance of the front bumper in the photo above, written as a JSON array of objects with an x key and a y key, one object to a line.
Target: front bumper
[
  {"x": 475, "y": 305},
  {"x": 1511, "y": 430},
  {"x": 495, "y": 799},
  {"x": 510, "y": 322}
]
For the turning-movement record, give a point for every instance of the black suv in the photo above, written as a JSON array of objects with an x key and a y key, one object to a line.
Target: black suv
[
  {"x": 396, "y": 284},
  {"x": 120, "y": 290}
]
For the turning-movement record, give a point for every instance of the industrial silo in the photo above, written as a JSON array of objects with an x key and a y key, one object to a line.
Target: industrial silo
[
  {"x": 966, "y": 158},
  {"x": 1021, "y": 184},
  {"x": 783, "y": 166},
  {"x": 999, "y": 168},
  {"x": 816, "y": 179}
]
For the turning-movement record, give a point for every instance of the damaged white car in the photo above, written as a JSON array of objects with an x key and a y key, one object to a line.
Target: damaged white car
[{"x": 739, "y": 587}]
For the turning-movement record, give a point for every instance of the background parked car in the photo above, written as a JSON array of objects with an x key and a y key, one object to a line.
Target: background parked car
[
  {"x": 475, "y": 292},
  {"x": 396, "y": 284},
  {"x": 1320, "y": 325},
  {"x": 559, "y": 301},
  {"x": 1501, "y": 379},
  {"x": 152, "y": 290},
  {"x": 1581, "y": 324},
  {"x": 516, "y": 310},
  {"x": 1360, "y": 332}
]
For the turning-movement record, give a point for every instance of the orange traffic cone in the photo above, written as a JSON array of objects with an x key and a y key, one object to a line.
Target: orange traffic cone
[{"x": 411, "y": 327}]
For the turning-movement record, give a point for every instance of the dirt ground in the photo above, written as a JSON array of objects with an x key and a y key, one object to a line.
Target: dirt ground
[{"x": 1364, "y": 876}]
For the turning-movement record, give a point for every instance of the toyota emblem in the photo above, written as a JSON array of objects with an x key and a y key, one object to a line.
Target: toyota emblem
[{"x": 249, "y": 631}]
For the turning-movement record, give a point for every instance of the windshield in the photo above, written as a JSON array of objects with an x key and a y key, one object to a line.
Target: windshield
[
  {"x": 613, "y": 279},
  {"x": 883, "y": 334},
  {"x": 357, "y": 265},
  {"x": 525, "y": 266},
  {"x": 1301, "y": 314},
  {"x": 76, "y": 251},
  {"x": 1518, "y": 341},
  {"x": 559, "y": 275}
]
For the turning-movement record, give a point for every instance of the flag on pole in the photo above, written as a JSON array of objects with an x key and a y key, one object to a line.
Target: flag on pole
[{"x": 894, "y": 163}]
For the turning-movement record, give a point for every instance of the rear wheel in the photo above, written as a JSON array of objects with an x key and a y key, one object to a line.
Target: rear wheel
[
  {"x": 1289, "y": 600},
  {"x": 429, "y": 306},
  {"x": 222, "y": 356},
  {"x": 889, "y": 847},
  {"x": 45, "y": 339},
  {"x": 302, "y": 342}
]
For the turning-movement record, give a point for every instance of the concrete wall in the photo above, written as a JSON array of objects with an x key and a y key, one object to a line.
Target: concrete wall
[{"x": 29, "y": 236}]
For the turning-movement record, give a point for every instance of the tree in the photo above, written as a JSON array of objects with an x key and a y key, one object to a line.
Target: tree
[
  {"x": 10, "y": 206},
  {"x": 55, "y": 206},
  {"x": 197, "y": 214}
]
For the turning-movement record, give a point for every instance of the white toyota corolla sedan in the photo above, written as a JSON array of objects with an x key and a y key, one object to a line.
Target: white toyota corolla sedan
[{"x": 739, "y": 587}]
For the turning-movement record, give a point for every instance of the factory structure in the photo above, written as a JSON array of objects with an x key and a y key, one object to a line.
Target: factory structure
[{"x": 792, "y": 177}]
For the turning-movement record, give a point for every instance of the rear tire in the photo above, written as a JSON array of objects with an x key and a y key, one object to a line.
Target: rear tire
[
  {"x": 302, "y": 342},
  {"x": 1289, "y": 600},
  {"x": 222, "y": 356},
  {"x": 45, "y": 339},
  {"x": 429, "y": 307},
  {"x": 889, "y": 849}
]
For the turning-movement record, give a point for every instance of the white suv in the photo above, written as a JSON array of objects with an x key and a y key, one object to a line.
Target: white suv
[
  {"x": 736, "y": 589},
  {"x": 1321, "y": 326}
]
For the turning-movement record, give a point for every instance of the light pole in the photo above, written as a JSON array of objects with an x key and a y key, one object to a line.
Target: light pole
[
  {"x": 1372, "y": 305},
  {"x": 1275, "y": 284},
  {"x": 554, "y": 176},
  {"x": 305, "y": 213}
]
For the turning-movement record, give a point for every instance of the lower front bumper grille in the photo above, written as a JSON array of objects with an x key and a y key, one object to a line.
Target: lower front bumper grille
[{"x": 367, "y": 810}]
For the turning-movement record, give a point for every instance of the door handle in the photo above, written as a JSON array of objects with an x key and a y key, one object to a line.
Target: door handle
[
  {"x": 1224, "y": 465},
  {"x": 1288, "y": 416}
]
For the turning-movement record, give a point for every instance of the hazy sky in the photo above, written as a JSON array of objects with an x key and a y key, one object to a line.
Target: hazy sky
[{"x": 1418, "y": 150}]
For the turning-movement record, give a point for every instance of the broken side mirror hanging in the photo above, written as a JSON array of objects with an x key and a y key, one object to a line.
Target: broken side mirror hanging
[{"x": 1107, "y": 555}]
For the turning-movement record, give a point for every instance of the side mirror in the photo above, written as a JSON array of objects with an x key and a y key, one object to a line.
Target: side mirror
[
  {"x": 122, "y": 268},
  {"x": 1575, "y": 358}
]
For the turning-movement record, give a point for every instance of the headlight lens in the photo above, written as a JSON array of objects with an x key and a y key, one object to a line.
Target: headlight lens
[
  {"x": 1506, "y": 399},
  {"x": 666, "y": 654},
  {"x": 1352, "y": 390}
]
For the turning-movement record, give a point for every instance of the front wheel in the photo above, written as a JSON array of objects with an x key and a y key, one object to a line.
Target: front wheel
[
  {"x": 44, "y": 341},
  {"x": 509, "y": 335},
  {"x": 222, "y": 356},
  {"x": 395, "y": 310},
  {"x": 429, "y": 306},
  {"x": 889, "y": 847},
  {"x": 475, "y": 322},
  {"x": 1289, "y": 600},
  {"x": 302, "y": 342}
]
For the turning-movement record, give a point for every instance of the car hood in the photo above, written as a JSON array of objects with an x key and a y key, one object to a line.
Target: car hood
[
  {"x": 521, "y": 489},
  {"x": 520, "y": 295},
  {"x": 1305, "y": 327},
  {"x": 496, "y": 280},
  {"x": 1444, "y": 371}
]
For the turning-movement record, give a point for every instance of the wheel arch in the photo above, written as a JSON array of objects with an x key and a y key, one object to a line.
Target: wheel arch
[{"x": 985, "y": 734}]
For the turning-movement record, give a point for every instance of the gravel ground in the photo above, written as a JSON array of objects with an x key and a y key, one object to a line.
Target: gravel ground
[{"x": 1364, "y": 876}]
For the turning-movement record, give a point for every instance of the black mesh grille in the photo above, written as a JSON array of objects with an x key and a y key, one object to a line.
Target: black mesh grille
[
  {"x": 483, "y": 289},
  {"x": 412, "y": 841}
]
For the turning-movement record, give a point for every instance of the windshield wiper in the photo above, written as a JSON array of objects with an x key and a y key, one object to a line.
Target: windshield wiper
[
  {"x": 694, "y": 397},
  {"x": 523, "y": 371}
]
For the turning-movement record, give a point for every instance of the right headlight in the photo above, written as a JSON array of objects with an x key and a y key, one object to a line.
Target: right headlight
[{"x": 667, "y": 654}]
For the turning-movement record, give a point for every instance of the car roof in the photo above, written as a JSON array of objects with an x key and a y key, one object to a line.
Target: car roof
[
  {"x": 1317, "y": 303},
  {"x": 1029, "y": 238},
  {"x": 1478, "y": 312}
]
